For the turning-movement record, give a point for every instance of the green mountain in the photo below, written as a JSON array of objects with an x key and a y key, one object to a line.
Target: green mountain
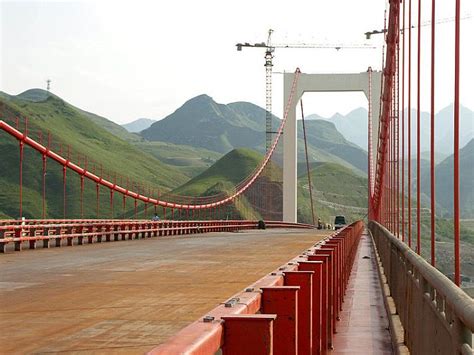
[
  {"x": 190, "y": 161},
  {"x": 444, "y": 183},
  {"x": 330, "y": 181},
  {"x": 326, "y": 144},
  {"x": 337, "y": 190},
  {"x": 72, "y": 127},
  {"x": 203, "y": 123},
  {"x": 223, "y": 176},
  {"x": 228, "y": 171},
  {"x": 354, "y": 127},
  {"x": 40, "y": 95}
]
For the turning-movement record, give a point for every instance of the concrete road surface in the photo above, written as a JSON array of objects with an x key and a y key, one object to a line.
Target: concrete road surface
[{"x": 129, "y": 296}]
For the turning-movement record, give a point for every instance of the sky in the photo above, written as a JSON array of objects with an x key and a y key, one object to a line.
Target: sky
[{"x": 129, "y": 59}]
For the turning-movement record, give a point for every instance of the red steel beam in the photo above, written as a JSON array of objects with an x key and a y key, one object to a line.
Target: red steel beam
[
  {"x": 418, "y": 136},
  {"x": 432, "y": 135},
  {"x": 207, "y": 335},
  {"x": 388, "y": 74},
  {"x": 457, "y": 256},
  {"x": 409, "y": 124}
]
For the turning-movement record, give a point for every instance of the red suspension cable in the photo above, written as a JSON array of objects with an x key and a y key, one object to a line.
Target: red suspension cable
[
  {"x": 409, "y": 125},
  {"x": 418, "y": 138},
  {"x": 432, "y": 137},
  {"x": 457, "y": 256},
  {"x": 219, "y": 200}
]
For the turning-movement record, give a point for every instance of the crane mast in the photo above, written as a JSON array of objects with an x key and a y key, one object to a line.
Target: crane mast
[
  {"x": 269, "y": 50},
  {"x": 268, "y": 92}
]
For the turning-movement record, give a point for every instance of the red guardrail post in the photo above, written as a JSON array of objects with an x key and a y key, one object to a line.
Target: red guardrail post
[
  {"x": 59, "y": 239},
  {"x": 116, "y": 232},
  {"x": 70, "y": 240},
  {"x": 338, "y": 275},
  {"x": 18, "y": 235},
  {"x": 325, "y": 309},
  {"x": 283, "y": 301},
  {"x": 80, "y": 239},
  {"x": 303, "y": 279},
  {"x": 32, "y": 242},
  {"x": 160, "y": 228},
  {"x": 248, "y": 334},
  {"x": 90, "y": 230},
  {"x": 99, "y": 233},
  {"x": 46, "y": 238},
  {"x": 135, "y": 227},
  {"x": 316, "y": 267},
  {"x": 329, "y": 253},
  {"x": 107, "y": 233}
]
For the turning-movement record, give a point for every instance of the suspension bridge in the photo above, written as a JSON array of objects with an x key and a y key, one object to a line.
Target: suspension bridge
[{"x": 234, "y": 271}]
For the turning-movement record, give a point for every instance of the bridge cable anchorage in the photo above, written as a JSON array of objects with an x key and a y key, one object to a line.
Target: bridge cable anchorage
[
  {"x": 307, "y": 164},
  {"x": 181, "y": 202}
]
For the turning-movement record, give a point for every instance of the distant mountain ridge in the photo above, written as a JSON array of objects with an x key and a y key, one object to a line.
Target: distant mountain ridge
[
  {"x": 201, "y": 122},
  {"x": 353, "y": 127},
  {"x": 138, "y": 125},
  {"x": 239, "y": 124},
  {"x": 40, "y": 95},
  {"x": 444, "y": 182}
]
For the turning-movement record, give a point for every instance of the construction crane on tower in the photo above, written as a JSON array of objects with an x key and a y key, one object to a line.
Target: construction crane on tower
[
  {"x": 368, "y": 35},
  {"x": 269, "y": 50}
]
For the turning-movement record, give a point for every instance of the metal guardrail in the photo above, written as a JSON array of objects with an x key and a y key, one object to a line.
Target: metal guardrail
[
  {"x": 437, "y": 316},
  {"x": 79, "y": 232},
  {"x": 293, "y": 310}
]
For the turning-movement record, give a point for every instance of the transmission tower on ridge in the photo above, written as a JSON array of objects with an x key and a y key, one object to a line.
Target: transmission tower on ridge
[{"x": 48, "y": 84}]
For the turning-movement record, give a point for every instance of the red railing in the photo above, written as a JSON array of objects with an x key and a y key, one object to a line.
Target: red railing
[
  {"x": 166, "y": 201},
  {"x": 292, "y": 310},
  {"x": 388, "y": 205},
  {"x": 79, "y": 232}
]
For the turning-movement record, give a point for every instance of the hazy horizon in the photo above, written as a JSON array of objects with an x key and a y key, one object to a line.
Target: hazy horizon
[
  {"x": 226, "y": 103},
  {"x": 126, "y": 60}
]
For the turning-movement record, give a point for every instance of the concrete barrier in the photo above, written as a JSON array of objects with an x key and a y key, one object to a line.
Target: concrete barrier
[{"x": 437, "y": 316}]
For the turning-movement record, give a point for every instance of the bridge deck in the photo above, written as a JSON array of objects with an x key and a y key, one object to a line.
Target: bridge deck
[
  {"x": 129, "y": 296},
  {"x": 363, "y": 326}
]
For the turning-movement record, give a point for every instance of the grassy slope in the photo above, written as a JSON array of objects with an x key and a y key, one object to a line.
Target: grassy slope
[
  {"x": 227, "y": 171},
  {"x": 72, "y": 127},
  {"x": 325, "y": 140},
  {"x": 191, "y": 161},
  {"x": 201, "y": 122},
  {"x": 328, "y": 179},
  {"x": 336, "y": 190},
  {"x": 40, "y": 95}
]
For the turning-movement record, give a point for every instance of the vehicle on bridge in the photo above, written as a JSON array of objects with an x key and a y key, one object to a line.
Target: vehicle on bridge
[{"x": 339, "y": 222}]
